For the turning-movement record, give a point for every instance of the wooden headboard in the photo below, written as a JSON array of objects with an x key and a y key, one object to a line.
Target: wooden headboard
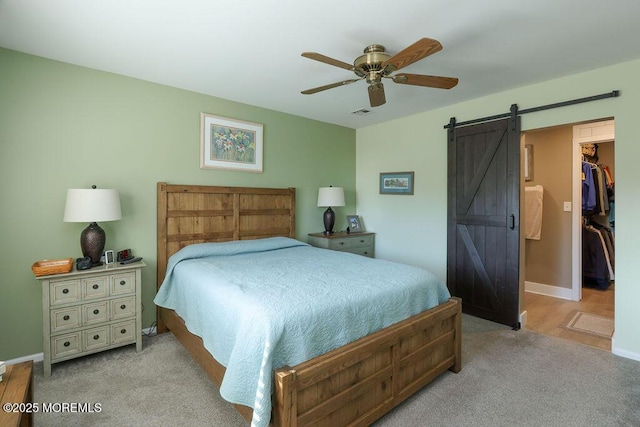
[{"x": 189, "y": 214}]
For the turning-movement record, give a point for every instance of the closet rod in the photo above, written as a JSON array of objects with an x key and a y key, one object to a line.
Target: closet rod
[{"x": 612, "y": 94}]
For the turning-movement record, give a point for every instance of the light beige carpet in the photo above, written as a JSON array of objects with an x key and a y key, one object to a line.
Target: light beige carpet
[
  {"x": 508, "y": 378},
  {"x": 591, "y": 324}
]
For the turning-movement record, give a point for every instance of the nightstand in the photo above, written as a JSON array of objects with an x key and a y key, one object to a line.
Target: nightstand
[
  {"x": 357, "y": 243},
  {"x": 88, "y": 311}
]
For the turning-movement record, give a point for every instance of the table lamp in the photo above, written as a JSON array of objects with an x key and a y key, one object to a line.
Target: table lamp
[
  {"x": 92, "y": 205},
  {"x": 327, "y": 197}
]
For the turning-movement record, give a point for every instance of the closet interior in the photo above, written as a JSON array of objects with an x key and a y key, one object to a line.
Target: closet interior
[
  {"x": 598, "y": 215},
  {"x": 569, "y": 266}
]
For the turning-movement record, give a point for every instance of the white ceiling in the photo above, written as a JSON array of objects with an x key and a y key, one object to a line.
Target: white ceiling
[{"x": 249, "y": 50}]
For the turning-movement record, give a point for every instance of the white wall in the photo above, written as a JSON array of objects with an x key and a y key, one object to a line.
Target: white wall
[{"x": 412, "y": 229}]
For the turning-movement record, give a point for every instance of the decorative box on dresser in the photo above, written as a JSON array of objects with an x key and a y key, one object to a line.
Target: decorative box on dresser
[
  {"x": 357, "y": 243},
  {"x": 87, "y": 311}
]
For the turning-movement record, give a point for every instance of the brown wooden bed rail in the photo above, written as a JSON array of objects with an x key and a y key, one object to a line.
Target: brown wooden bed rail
[{"x": 358, "y": 383}]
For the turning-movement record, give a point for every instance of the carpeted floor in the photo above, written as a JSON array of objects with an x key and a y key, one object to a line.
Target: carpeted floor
[{"x": 508, "y": 378}]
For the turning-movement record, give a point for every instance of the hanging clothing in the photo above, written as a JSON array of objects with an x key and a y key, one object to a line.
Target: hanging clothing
[
  {"x": 596, "y": 189},
  {"x": 595, "y": 269},
  {"x": 588, "y": 189}
]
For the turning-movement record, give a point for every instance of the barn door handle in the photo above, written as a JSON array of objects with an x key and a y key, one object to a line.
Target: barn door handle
[{"x": 513, "y": 222}]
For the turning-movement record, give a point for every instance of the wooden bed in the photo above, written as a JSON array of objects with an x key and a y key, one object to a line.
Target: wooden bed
[{"x": 353, "y": 385}]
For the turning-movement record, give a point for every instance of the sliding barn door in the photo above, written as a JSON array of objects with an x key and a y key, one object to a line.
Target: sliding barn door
[{"x": 483, "y": 219}]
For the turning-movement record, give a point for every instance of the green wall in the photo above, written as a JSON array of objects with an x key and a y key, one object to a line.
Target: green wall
[
  {"x": 64, "y": 126},
  {"x": 413, "y": 229}
]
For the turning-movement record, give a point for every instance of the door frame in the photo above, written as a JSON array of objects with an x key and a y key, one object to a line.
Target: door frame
[{"x": 576, "y": 202}]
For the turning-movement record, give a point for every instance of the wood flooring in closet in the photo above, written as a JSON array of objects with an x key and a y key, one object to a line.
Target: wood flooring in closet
[{"x": 548, "y": 315}]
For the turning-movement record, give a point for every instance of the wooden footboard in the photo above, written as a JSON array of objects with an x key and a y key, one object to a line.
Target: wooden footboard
[{"x": 358, "y": 383}]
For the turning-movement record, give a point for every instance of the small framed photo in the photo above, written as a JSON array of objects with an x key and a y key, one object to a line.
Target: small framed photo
[
  {"x": 354, "y": 224},
  {"x": 396, "y": 183},
  {"x": 109, "y": 257},
  {"x": 230, "y": 144},
  {"x": 528, "y": 162}
]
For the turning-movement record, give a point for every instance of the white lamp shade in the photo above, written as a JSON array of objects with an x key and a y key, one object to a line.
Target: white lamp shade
[
  {"x": 330, "y": 196},
  {"x": 92, "y": 205}
]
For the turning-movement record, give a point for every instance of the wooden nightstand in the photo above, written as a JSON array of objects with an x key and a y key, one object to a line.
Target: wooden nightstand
[
  {"x": 357, "y": 243},
  {"x": 91, "y": 310}
]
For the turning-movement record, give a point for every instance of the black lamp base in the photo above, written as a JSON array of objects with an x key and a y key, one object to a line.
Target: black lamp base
[
  {"x": 329, "y": 219},
  {"x": 92, "y": 241}
]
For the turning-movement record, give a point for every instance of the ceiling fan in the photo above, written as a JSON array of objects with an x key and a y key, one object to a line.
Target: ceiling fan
[{"x": 377, "y": 64}]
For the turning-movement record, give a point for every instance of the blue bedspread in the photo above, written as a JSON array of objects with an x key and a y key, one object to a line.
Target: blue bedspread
[{"x": 262, "y": 304}]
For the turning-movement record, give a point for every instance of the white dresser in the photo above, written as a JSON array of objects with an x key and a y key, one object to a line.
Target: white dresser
[{"x": 91, "y": 310}]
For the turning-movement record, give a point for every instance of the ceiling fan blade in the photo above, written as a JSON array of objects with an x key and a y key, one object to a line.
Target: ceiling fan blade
[
  {"x": 417, "y": 51},
  {"x": 322, "y": 58},
  {"x": 376, "y": 94},
  {"x": 329, "y": 86},
  {"x": 424, "y": 80}
]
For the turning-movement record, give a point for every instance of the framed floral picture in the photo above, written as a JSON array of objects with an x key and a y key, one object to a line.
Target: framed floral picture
[{"x": 230, "y": 144}]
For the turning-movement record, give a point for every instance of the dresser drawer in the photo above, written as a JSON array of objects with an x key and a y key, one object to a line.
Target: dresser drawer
[
  {"x": 123, "y": 284},
  {"x": 340, "y": 244},
  {"x": 357, "y": 243},
  {"x": 95, "y": 287},
  {"x": 123, "y": 332},
  {"x": 64, "y": 292},
  {"x": 361, "y": 241},
  {"x": 65, "y": 318},
  {"x": 95, "y": 313},
  {"x": 66, "y": 345},
  {"x": 123, "y": 307},
  {"x": 96, "y": 338},
  {"x": 362, "y": 250}
]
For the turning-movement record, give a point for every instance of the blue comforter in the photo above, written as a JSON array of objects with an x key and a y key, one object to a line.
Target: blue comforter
[{"x": 262, "y": 304}]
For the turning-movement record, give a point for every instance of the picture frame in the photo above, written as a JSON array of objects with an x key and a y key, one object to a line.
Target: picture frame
[
  {"x": 528, "y": 162},
  {"x": 230, "y": 144},
  {"x": 109, "y": 257},
  {"x": 396, "y": 183},
  {"x": 354, "y": 224}
]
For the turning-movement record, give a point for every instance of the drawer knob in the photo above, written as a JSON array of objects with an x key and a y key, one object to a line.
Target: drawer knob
[
  {"x": 122, "y": 307},
  {"x": 361, "y": 241},
  {"x": 95, "y": 337},
  {"x": 96, "y": 311},
  {"x": 95, "y": 286},
  {"x": 65, "y": 291},
  {"x": 66, "y": 317},
  {"x": 123, "y": 331},
  {"x": 366, "y": 253},
  {"x": 342, "y": 243},
  {"x": 67, "y": 344},
  {"x": 122, "y": 282}
]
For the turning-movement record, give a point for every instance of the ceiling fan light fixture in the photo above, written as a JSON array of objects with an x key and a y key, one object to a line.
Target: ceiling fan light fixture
[{"x": 376, "y": 94}]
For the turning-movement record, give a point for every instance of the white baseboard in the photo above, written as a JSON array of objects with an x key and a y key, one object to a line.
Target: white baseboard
[
  {"x": 38, "y": 357},
  {"x": 523, "y": 319},
  {"x": 552, "y": 291},
  {"x": 623, "y": 353}
]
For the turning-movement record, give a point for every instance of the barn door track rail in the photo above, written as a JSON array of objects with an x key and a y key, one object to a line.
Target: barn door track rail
[{"x": 514, "y": 109}]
